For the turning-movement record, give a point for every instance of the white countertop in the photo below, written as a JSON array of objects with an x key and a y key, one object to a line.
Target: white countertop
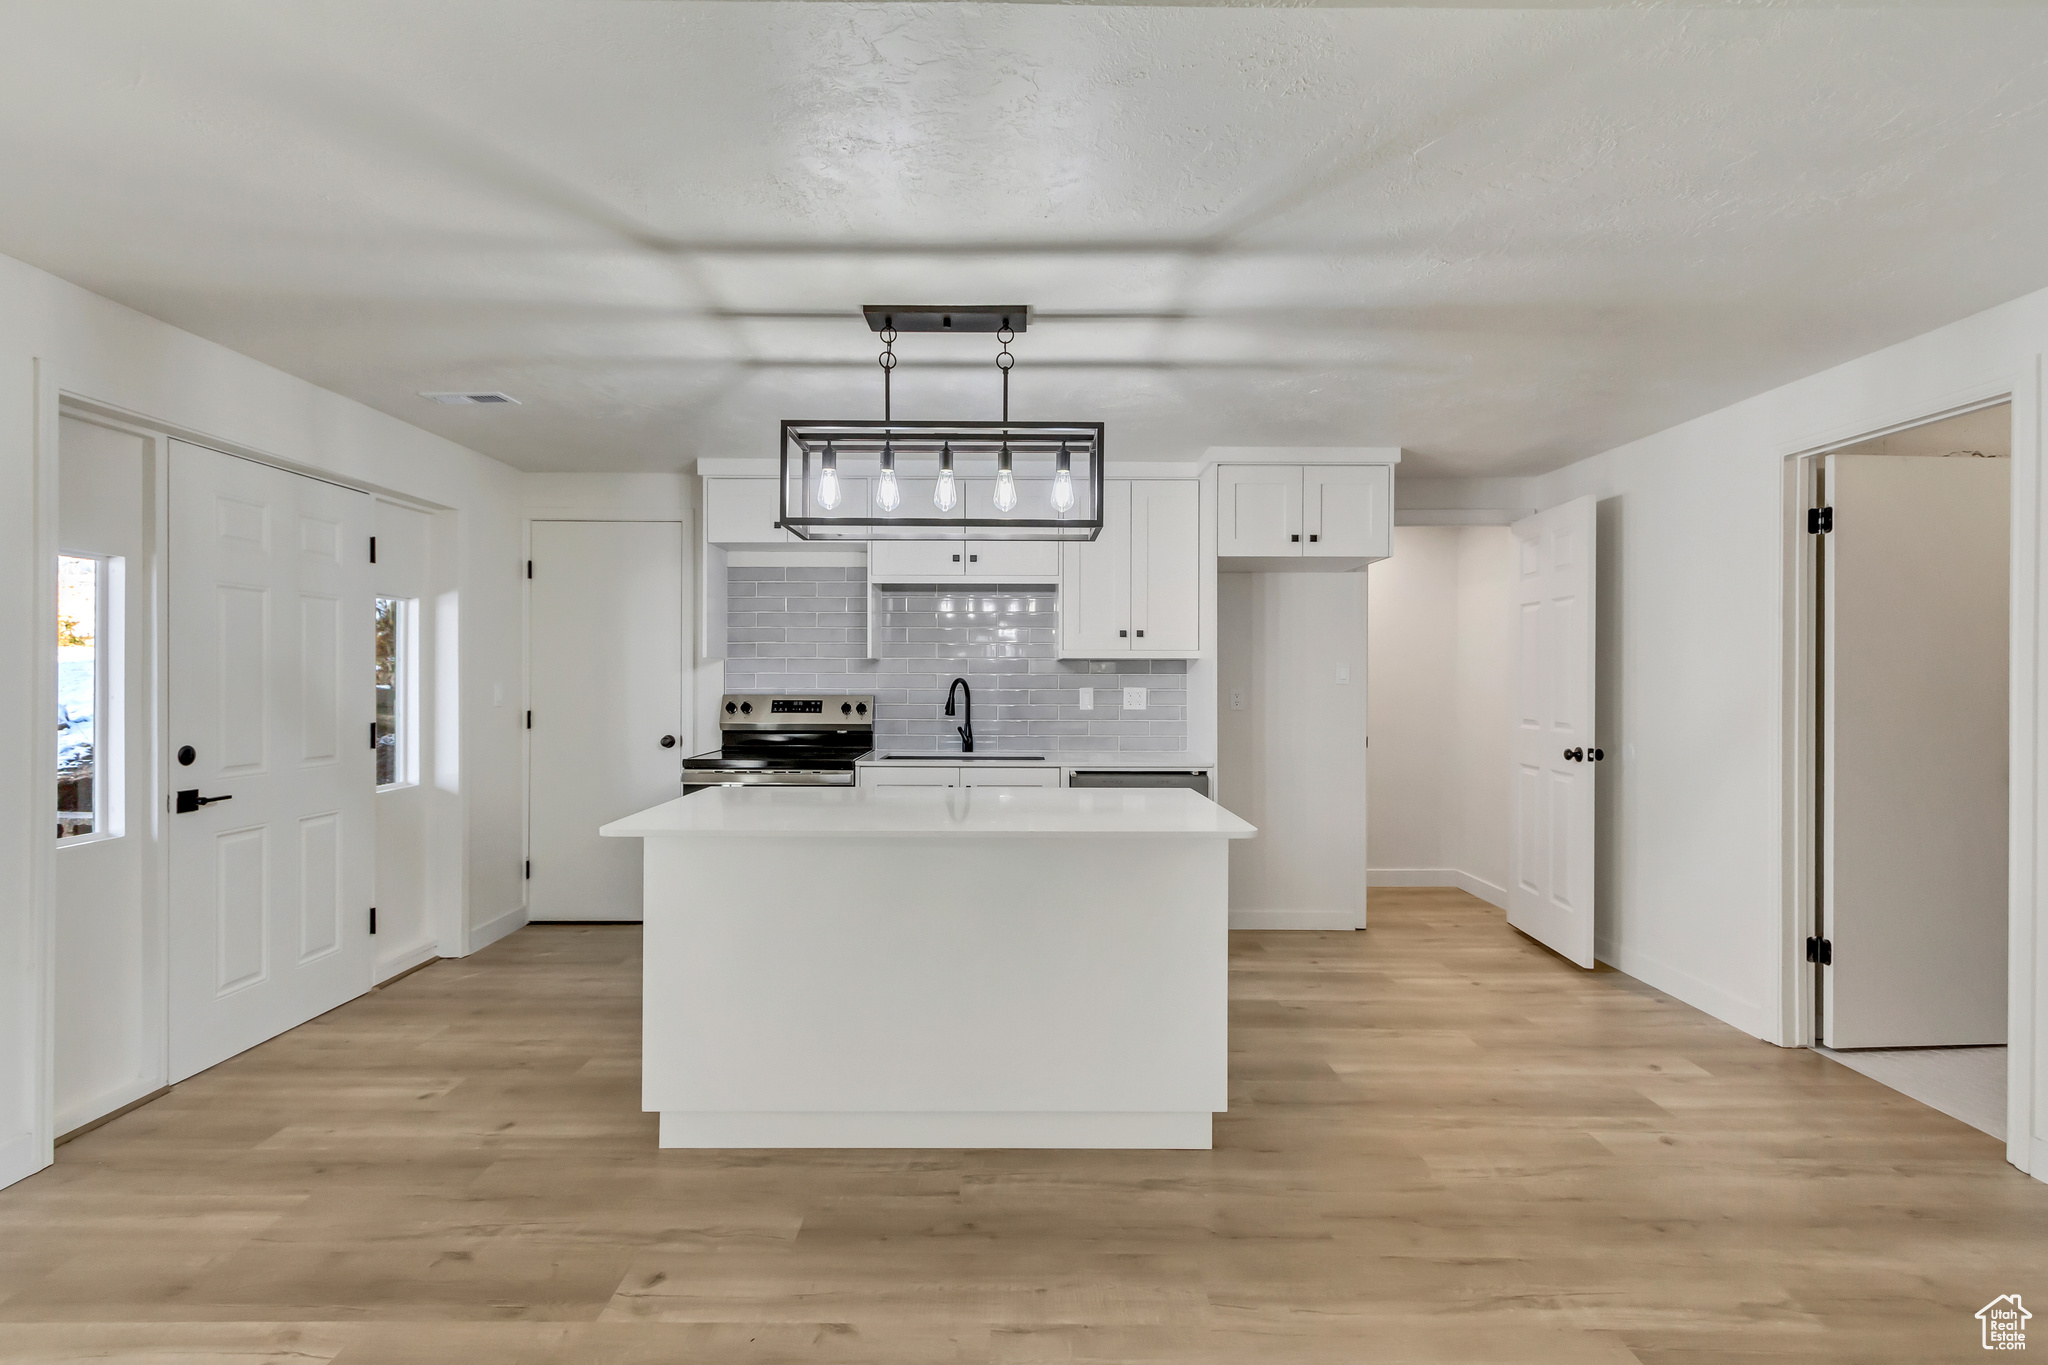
[
  {"x": 914, "y": 811},
  {"x": 1070, "y": 758}
]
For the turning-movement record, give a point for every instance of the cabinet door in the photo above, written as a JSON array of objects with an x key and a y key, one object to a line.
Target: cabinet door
[
  {"x": 1011, "y": 561},
  {"x": 1259, "y": 510},
  {"x": 1348, "y": 510},
  {"x": 916, "y": 561},
  {"x": 1033, "y": 775},
  {"x": 1166, "y": 566},
  {"x": 742, "y": 512},
  {"x": 1095, "y": 594},
  {"x": 909, "y": 775}
]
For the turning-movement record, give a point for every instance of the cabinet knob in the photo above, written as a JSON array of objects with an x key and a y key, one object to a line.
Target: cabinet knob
[
  {"x": 1294, "y": 537},
  {"x": 1123, "y": 635},
  {"x": 971, "y": 559},
  {"x": 956, "y": 559},
  {"x": 1314, "y": 538},
  {"x": 1141, "y": 635},
  {"x": 668, "y": 741}
]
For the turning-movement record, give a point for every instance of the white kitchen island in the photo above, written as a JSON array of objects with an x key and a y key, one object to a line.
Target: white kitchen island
[{"x": 935, "y": 966}]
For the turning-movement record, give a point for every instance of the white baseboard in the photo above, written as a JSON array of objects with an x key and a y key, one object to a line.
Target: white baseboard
[
  {"x": 407, "y": 960},
  {"x": 106, "y": 1102},
  {"x": 1293, "y": 919},
  {"x": 484, "y": 935},
  {"x": 1496, "y": 896},
  {"x": 1732, "y": 1009},
  {"x": 21, "y": 1157},
  {"x": 1011, "y": 1130}
]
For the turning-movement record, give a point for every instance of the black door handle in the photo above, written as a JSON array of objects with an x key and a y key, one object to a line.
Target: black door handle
[
  {"x": 190, "y": 800},
  {"x": 1596, "y": 754},
  {"x": 668, "y": 741},
  {"x": 1575, "y": 755}
]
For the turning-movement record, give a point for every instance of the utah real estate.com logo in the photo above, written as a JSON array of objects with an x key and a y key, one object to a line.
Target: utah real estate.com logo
[{"x": 2005, "y": 1323}]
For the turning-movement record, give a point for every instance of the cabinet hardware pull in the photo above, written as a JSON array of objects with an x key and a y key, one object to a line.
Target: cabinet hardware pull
[
  {"x": 956, "y": 559},
  {"x": 1123, "y": 635},
  {"x": 1313, "y": 539},
  {"x": 1141, "y": 635},
  {"x": 1294, "y": 537}
]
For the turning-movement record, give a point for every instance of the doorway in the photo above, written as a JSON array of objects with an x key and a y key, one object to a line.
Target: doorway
[{"x": 1909, "y": 658}]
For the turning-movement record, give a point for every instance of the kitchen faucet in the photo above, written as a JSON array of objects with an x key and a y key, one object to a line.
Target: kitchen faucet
[{"x": 967, "y": 730}]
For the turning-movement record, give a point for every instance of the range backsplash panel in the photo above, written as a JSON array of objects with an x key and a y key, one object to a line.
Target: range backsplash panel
[{"x": 795, "y": 629}]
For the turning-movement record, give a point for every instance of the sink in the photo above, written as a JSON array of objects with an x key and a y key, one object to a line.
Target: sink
[{"x": 967, "y": 758}]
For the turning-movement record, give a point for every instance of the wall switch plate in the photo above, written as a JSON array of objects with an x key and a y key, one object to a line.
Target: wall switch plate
[
  {"x": 1134, "y": 699},
  {"x": 1237, "y": 699},
  {"x": 1087, "y": 699},
  {"x": 1343, "y": 673}
]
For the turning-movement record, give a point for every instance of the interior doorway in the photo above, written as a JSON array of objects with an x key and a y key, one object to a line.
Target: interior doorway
[{"x": 1909, "y": 652}]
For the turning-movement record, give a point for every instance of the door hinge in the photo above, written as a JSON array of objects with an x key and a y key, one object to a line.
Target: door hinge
[
  {"x": 1819, "y": 520},
  {"x": 373, "y": 734},
  {"x": 529, "y": 720},
  {"x": 529, "y": 869},
  {"x": 373, "y": 549},
  {"x": 373, "y": 919},
  {"x": 1820, "y": 950},
  {"x": 529, "y": 568}
]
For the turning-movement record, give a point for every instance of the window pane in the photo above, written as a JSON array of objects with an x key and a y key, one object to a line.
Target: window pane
[
  {"x": 390, "y": 709},
  {"x": 78, "y": 624}
]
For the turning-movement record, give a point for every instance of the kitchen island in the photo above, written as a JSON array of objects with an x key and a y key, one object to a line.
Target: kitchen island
[{"x": 935, "y": 967}]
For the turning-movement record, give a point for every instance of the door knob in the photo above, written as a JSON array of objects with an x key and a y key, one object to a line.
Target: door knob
[
  {"x": 1575, "y": 755},
  {"x": 668, "y": 741}
]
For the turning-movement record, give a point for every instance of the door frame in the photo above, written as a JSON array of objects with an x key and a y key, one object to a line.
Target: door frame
[
  {"x": 2026, "y": 723},
  {"x": 53, "y": 399}
]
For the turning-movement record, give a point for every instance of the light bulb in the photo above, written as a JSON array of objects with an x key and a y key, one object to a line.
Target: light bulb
[
  {"x": 887, "y": 496},
  {"x": 828, "y": 480},
  {"x": 1006, "y": 484},
  {"x": 946, "y": 493},
  {"x": 1063, "y": 482}
]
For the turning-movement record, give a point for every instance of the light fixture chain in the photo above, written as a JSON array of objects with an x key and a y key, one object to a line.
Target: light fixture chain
[
  {"x": 887, "y": 361},
  {"x": 1004, "y": 360}
]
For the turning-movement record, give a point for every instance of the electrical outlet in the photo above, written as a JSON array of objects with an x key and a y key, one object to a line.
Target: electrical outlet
[
  {"x": 1134, "y": 699},
  {"x": 1087, "y": 699},
  {"x": 1237, "y": 699},
  {"x": 1343, "y": 673}
]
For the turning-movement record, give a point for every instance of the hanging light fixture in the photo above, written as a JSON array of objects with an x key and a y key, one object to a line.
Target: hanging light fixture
[{"x": 1037, "y": 480}]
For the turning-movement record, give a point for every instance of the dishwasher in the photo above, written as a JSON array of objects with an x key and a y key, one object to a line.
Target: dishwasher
[{"x": 1192, "y": 779}]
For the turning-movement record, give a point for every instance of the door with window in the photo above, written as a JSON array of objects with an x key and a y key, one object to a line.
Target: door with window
[{"x": 271, "y": 762}]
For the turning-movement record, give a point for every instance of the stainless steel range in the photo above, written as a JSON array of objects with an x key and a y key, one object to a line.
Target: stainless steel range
[{"x": 807, "y": 741}]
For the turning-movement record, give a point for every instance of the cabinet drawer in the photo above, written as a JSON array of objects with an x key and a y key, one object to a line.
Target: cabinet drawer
[
  {"x": 909, "y": 775},
  {"x": 1023, "y": 775}
]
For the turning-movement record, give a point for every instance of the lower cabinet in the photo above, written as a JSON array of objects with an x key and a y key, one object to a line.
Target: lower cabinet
[{"x": 962, "y": 775}]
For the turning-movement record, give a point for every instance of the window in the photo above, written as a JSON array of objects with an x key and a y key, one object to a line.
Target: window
[
  {"x": 81, "y": 688},
  {"x": 394, "y": 692}
]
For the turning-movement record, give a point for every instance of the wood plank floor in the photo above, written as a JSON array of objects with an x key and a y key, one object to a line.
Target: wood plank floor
[{"x": 1444, "y": 1145}]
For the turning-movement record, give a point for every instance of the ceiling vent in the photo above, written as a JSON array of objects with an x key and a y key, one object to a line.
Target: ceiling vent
[{"x": 472, "y": 398}]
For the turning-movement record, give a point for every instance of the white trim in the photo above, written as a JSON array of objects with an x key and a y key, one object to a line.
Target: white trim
[
  {"x": 106, "y": 1102},
  {"x": 383, "y": 971},
  {"x": 1457, "y": 516},
  {"x": 1292, "y": 919},
  {"x": 484, "y": 935},
  {"x": 35, "y": 1149},
  {"x": 1496, "y": 896},
  {"x": 757, "y": 1131},
  {"x": 21, "y": 1158},
  {"x": 1747, "y": 1015}
]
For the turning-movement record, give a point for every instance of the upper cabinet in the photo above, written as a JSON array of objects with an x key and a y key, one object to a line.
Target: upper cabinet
[
  {"x": 1137, "y": 588},
  {"x": 1305, "y": 512},
  {"x": 985, "y": 561}
]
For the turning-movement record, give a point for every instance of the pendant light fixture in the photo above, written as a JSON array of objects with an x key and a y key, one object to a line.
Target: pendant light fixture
[{"x": 1036, "y": 480}]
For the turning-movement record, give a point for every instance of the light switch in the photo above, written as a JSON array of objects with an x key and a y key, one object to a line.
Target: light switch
[
  {"x": 1134, "y": 699},
  {"x": 1087, "y": 699},
  {"x": 1343, "y": 673},
  {"x": 1237, "y": 699}
]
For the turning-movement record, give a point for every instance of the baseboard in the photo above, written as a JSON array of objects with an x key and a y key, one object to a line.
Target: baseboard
[
  {"x": 1752, "y": 1019},
  {"x": 1495, "y": 896},
  {"x": 86, "y": 1126},
  {"x": 1293, "y": 919},
  {"x": 20, "y": 1157},
  {"x": 948, "y": 1132},
  {"x": 484, "y": 935},
  {"x": 412, "y": 959},
  {"x": 105, "y": 1105}
]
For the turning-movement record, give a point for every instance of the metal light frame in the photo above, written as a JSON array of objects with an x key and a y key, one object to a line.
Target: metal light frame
[{"x": 805, "y": 442}]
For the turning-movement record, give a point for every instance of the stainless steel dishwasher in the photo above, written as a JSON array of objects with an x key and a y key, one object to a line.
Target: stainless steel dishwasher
[{"x": 1192, "y": 779}]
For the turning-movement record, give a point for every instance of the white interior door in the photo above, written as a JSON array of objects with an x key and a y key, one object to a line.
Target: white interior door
[
  {"x": 1550, "y": 884},
  {"x": 605, "y": 678},
  {"x": 272, "y": 672},
  {"x": 1914, "y": 751}
]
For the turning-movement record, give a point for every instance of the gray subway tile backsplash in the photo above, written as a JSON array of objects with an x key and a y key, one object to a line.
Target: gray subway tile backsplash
[{"x": 797, "y": 629}]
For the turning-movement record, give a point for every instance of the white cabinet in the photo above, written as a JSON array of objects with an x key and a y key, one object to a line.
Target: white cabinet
[
  {"x": 1305, "y": 511},
  {"x": 1022, "y": 775},
  {"x": 1137, "y": 588},
  {"x": 915, "y": 561},
  {"x": 909, "y": 775},
  {"x": 982, "y": 561}
]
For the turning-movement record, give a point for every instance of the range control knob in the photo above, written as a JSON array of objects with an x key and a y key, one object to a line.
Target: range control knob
[
  {"x": 747, "y": 708},
  {"x": 731, "y": 707},
  {"x": 846, "y": 708},
  {"x": 862, "y": 708}
]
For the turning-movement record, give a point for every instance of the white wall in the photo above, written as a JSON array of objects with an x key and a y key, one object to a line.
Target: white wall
[
  {"x": 1292, "y": 760},
  {"x": 56, "y": 338},
  {"x": 1440, "y": 648},
  {"x": 1696, "y": 817}
]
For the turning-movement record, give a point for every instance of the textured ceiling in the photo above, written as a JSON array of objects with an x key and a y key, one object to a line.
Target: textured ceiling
[{"x": 1501, "y": 239}]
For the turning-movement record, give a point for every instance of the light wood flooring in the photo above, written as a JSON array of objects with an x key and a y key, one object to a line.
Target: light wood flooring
[{"x": 1444, "y": 1144}]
